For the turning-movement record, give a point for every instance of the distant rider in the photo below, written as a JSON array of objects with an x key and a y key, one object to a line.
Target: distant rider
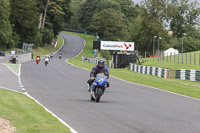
[
  {"x": 51, "y": 56},
  {"x": 37, "y": 59},
  {"x": 99, "y": 68},
  {"x": 46, "y": 60},
  {"x": 60, "y": 56}
]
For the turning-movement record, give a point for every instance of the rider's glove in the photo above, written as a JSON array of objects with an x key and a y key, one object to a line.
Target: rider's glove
[{"x": 90, "y": 81}]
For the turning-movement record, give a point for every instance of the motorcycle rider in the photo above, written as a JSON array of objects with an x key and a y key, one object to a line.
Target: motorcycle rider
[
  {"x": 60, "y": 56},
  {"x": 99, "y": 68},
  {"x": 46, "y": 60},
  {"x": 51, "y": 56},
  {"x": 37, "y": 59}
]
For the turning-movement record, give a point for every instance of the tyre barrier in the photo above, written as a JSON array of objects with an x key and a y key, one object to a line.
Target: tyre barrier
[
  {"x": 193, "y": 75},
  {"x": 150, "y": 70}
]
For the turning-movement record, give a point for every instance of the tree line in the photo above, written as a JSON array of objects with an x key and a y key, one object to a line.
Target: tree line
[
  {"x": 40, "y": 21},
  {"x": 32, "y": 21},
  {"x": 122, "y": 20}
]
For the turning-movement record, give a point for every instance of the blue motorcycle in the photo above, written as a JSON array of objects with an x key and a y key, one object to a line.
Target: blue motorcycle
[{"x": 98, "y": 87}]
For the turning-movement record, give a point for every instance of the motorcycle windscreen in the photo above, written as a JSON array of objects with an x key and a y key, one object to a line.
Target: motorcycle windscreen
[{"x": 101, "y": 79}]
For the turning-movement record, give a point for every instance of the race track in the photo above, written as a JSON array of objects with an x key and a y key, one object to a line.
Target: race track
[{"x": 125, "y": 107}]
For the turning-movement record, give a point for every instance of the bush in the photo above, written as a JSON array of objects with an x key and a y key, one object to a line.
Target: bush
[
  {"x": 105, "y": 54},
  {"x": 47, "y": 36},
  {"x": 38, "y": 41}
]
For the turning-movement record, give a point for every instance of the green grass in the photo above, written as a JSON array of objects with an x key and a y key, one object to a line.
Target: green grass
[
  {"x": 47, "y": 49},
  {"x": 188, "y": 88},
  {"x": 16, "y": 49},
  {"x": 42, "y": 51},
  {"x": 173, "y": 65},
  {"x": 14, "y": 67},
  {"x": 26, "y": 115}
]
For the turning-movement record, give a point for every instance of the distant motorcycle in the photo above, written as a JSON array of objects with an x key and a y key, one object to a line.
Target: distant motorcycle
[
  {"x": 37, "y": 59},
  {"x": 60, "y": 56},
  {"x": 46, "y": 62},
  {"x": 51, "y": 56},
  {"x": 98, "y": 87}
]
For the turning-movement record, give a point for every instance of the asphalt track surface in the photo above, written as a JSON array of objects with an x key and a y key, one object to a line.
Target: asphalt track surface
[
  {"x": 125, "y": 107},
  {"x": 8, "y": 79}
]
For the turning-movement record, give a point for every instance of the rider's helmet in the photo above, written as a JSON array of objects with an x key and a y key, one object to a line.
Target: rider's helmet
[{"x": 101, "y": 64}]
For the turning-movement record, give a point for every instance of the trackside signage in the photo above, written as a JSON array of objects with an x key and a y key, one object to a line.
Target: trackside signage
[{"x": 111, "y": 45}]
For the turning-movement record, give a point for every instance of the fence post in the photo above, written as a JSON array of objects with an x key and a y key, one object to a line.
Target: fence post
[
  {"x": 167, "y": 57},
  {"x": 160, "y": 55},
  {"x": 199, "y": 59},
  {"x": 178, "y": 58},
  {"x": 164, "y": 56},
  {"x": 190, "y": 58},
  {"x": 174, "y": 58},
  {"x": 194, "y": 58},
  {"x": 186, "y": 58},
  {"x": 170, "y": 57}
]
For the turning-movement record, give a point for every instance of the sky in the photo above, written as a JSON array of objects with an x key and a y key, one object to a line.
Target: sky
[{"x": 136, "y": 1}]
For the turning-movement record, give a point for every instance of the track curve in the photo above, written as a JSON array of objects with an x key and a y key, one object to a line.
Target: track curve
[{"x": 125, "y": 107}]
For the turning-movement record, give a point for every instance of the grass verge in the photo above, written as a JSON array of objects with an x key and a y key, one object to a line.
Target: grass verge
[
  {"x": 48, "y": 49},
  {"x": 26, "y": 115},
  {"x": 188, "y": 88},
  {"x": 173, "y": 65},
  {"x": 14, "y": 67}
]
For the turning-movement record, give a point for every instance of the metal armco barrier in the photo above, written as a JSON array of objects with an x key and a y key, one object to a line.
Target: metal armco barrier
[
  {"x": 193, "y": 75},
  {"x": 92, "y": 60},
  {"x": 150, "y": 70}
]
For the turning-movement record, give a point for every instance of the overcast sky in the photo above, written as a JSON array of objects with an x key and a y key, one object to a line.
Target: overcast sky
[{"x": 136, "y": 1}]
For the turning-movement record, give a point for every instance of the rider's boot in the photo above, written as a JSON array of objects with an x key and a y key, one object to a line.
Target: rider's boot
[{"x": 89, "y": 89}]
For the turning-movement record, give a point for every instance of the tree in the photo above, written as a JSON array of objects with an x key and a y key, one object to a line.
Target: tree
[
  {"x": 67, "y": 11},
  {"x": 110, "y": 25},
  {"x": 183, "y": 13},
  {"x": 87, "y": 11},
  {"x": 90, "y": 7},
  {"x": 127, "y": 8},
  {"x": 106, "y": 54},
  {"x": 5, "y": 26},
  {"x": 25, "y": 18},
  {"x": 75, "y": 6},
  {"x": 107, "y": 4},
  {"x": 149, "y": 23}
]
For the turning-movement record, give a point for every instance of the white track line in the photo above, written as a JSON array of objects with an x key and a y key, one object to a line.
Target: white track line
[
  {"x": 63, "y": 122},
  {"x": 5, "y": 88},
  {"x": 140, "y": 84},
  {"x": 10, "y": 69},
  {"x": 26, "y": 93}
]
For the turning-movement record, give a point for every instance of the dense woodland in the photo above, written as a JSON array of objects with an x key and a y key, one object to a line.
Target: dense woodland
[{"x": 40, "y": 21}]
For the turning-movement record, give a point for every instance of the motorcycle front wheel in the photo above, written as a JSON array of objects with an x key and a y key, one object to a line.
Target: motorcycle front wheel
[{"x": 99, "y": 92}]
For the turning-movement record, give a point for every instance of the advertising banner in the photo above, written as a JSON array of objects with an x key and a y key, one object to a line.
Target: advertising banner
[{"x": 112, "y": 45}]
